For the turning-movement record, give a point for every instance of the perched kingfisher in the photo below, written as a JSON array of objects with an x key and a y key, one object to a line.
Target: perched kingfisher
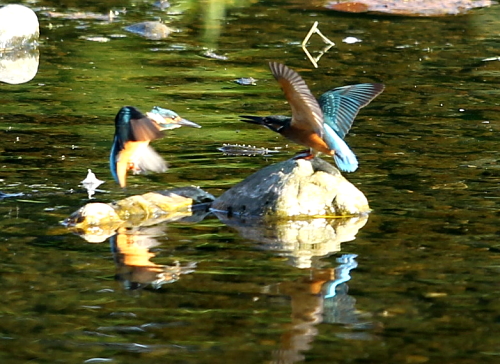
[
  {"x": 320, "y": 124},
  {"x": 133, "y": 132}
]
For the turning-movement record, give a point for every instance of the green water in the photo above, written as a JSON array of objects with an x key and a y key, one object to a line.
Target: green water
[{"x": 425, "y": 289}]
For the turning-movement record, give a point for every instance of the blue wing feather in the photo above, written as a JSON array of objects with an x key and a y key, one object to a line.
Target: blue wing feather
[
  {"x": 341, "y": 105},
  {"x": 344, "y": 157}
]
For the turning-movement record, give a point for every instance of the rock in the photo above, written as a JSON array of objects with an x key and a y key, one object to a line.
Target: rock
[
  {"x": 296, "y": 187},
  {"x": 18, "y": 26},
  {"x": 150, "y": 29},
  {"x": 19, "y": 55},
  {"x": 409, "y": 7},
  {"x": 97, "y": 221}
]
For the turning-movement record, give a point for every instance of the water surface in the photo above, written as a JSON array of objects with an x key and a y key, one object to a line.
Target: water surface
[{"x": 425, "y": 286}]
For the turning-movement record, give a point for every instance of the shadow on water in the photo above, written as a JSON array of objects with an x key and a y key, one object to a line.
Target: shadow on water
[{"x": 425, "y": 286}]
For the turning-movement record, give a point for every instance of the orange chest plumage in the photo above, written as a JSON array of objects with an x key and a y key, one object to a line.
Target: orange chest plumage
[{"x": 307, "y": 138}]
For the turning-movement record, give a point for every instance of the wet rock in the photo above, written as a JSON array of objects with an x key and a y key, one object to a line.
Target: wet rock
[
  {"x": 18, "y": 26},
  {"x": 296, "y": 188},
  {"x": 19, "y": 55},
  {"x": 93, "y": 214},
  {"x": 97, "y": 221},
  {"x": 150, "y": 29},
  {"x": 409, "y": 7}
]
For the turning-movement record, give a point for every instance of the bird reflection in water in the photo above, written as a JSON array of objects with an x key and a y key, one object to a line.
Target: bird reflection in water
[{"x": 132, "y": 254}]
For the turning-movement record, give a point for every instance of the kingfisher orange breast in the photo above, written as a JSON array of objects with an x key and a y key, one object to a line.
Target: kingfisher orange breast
[
  {"x": 124, "y": 159},
  {"x": 309, "y": 139}
]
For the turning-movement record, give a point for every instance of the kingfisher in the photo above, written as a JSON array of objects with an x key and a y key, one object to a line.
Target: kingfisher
[
  {"x": 133, "y": 132},
  {"x": 322, "y": 124}
]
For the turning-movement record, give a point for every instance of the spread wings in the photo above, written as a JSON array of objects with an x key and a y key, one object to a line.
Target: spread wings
[
  {"x": 341, "y": 105},
  {"x": 306, "y": 112}
]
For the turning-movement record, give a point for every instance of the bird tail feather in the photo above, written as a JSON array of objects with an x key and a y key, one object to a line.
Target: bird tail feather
[
  {"x": 344, "y": 157},
  {"x": 346, "y": 162}
]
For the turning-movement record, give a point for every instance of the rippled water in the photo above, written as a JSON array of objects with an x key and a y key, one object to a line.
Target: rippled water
[{"x": 423, "y": 286}]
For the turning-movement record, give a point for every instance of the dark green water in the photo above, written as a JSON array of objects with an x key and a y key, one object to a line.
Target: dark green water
[{"x": 425, "y": 289}]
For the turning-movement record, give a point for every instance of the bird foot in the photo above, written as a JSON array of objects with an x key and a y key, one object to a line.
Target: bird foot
[{"x": 134, "y": 168}]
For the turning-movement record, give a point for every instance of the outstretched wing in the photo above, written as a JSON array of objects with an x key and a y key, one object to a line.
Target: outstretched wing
[
  {"x": 341, "y": 105},
  {"x": 306, "y": 112}
]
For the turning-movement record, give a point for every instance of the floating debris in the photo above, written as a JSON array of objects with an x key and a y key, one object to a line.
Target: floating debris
[
  {"x": 98, "y": 360},
  {"x": 491, "y": 59},
  {"x": 329, "y": 44},
  {"x": 8, "y": 195},
  {"x": 246, "y": 81},
  {"x": 351, "y": 40},
  {"x": 96, "y": 39},
  {"x": 90, "y": 183},
  {"x": 209, "y": 53},
  {"x": 83, "y": 15},
  {"x": 248, "y": 150},
  {"x": 450, "y": 186}
]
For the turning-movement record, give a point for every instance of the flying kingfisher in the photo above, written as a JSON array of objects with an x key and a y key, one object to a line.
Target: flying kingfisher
[
  {"x": 319, "y": 124},
  {"x": 133, "y": 132}
]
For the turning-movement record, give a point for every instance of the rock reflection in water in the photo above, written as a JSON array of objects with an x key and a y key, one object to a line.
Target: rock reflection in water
[
  {"x": 300, "y": 240},
  {"x": 19, "y": 65}
]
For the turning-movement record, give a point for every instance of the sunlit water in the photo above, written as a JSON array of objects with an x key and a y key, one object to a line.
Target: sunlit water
[{"x": 423, "y": 286}]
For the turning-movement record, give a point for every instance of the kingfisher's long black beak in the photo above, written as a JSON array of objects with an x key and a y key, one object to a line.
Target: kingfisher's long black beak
[
  {"x": 252, "y": 119},
  {"x": 185, "y": 122},
  {"x": 168, "y": 119}
]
